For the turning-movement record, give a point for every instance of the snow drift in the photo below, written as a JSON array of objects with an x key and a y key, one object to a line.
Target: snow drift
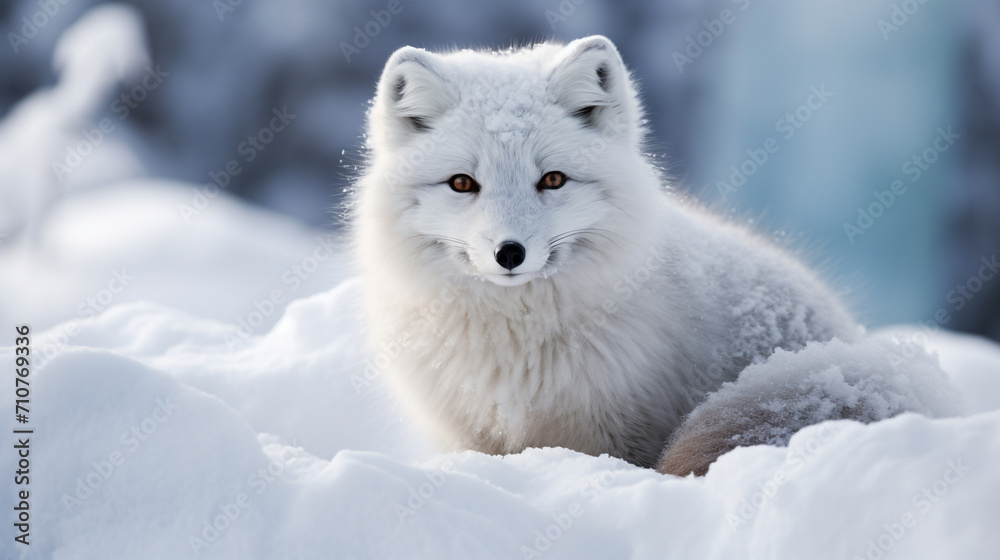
[
  {"x": 200, "y": 388},
  {"x": 158, "y": 436}
]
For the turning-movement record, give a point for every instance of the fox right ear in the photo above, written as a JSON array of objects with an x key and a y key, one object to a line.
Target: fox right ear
[
  {"x": 591, "y": 82},
  {"x": 411, "y": 93}
]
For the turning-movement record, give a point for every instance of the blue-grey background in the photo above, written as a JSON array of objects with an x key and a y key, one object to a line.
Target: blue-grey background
[{"x": 719, "y": 78}]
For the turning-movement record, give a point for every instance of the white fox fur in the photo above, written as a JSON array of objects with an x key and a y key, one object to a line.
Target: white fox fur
[{"x": 631, "y": 305}]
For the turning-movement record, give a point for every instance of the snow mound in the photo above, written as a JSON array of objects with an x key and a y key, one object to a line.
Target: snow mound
[
  {"x": 130, "y": 241},
  {"x": 155, "y": 439},
  {"x": 50, "y": 141}
]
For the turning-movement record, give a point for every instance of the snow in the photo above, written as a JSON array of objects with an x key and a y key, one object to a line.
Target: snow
[
  {"x": 42, "y": 131},
  {"x": 208, "y": 263},
  {"x": 157, "y": 436},
  {"x": 201, "y": 389}
]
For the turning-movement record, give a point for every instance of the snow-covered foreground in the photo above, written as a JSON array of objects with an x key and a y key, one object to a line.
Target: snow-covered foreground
[{"x": 160, "y": 433}]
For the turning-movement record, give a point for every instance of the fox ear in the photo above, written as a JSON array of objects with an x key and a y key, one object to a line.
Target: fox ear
[
  {"x": 410, "y": 92},
  {"x": 591, "y": 82}
]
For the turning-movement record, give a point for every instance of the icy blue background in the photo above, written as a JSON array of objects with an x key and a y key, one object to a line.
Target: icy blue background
[{"x": 892, "y": 90}]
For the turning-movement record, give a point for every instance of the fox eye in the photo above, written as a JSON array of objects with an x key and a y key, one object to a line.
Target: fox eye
[
  {"x": 463, "y": 183},
  {"x": 552, "y": 180}
]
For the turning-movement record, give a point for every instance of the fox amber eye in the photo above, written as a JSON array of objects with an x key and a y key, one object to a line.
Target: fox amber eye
[
  {"x": 463, "y": 183},
  {"x": 552, "y": 180}
]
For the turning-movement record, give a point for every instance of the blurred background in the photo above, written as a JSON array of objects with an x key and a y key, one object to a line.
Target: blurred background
[{"x": 866, "y": 132}]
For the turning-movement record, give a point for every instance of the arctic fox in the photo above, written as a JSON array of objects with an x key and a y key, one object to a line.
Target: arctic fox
[{"x": 535, "y": 284}]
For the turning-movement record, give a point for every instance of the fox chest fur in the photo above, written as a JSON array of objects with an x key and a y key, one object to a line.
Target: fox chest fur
[{"x": 541, "y": 370}]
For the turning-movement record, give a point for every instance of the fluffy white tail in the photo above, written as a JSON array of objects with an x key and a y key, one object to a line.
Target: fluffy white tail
[{"x": 867, "y": 381}]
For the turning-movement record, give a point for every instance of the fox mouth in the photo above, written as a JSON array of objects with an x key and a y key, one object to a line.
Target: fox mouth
[
  {"x": 512, "y": 278},
  {"x": 516, "y": 278},
  {"x": 461, "y": 250}
]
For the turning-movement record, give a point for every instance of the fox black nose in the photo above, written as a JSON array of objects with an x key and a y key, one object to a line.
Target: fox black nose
[{"x": 509, "y": 254}]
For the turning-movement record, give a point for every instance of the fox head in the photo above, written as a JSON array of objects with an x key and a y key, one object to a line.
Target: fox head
[{"x": 510, "y": 167}]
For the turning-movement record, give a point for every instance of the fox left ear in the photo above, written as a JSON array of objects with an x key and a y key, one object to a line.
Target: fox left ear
[
  {"x": 591, "y": 82},
  {"x": 411, "y": 93}
]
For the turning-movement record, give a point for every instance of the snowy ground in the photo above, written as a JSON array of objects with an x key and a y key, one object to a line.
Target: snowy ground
[
  {"x": 200, "y": 389},
  {"x": 164, "y": 431}
]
